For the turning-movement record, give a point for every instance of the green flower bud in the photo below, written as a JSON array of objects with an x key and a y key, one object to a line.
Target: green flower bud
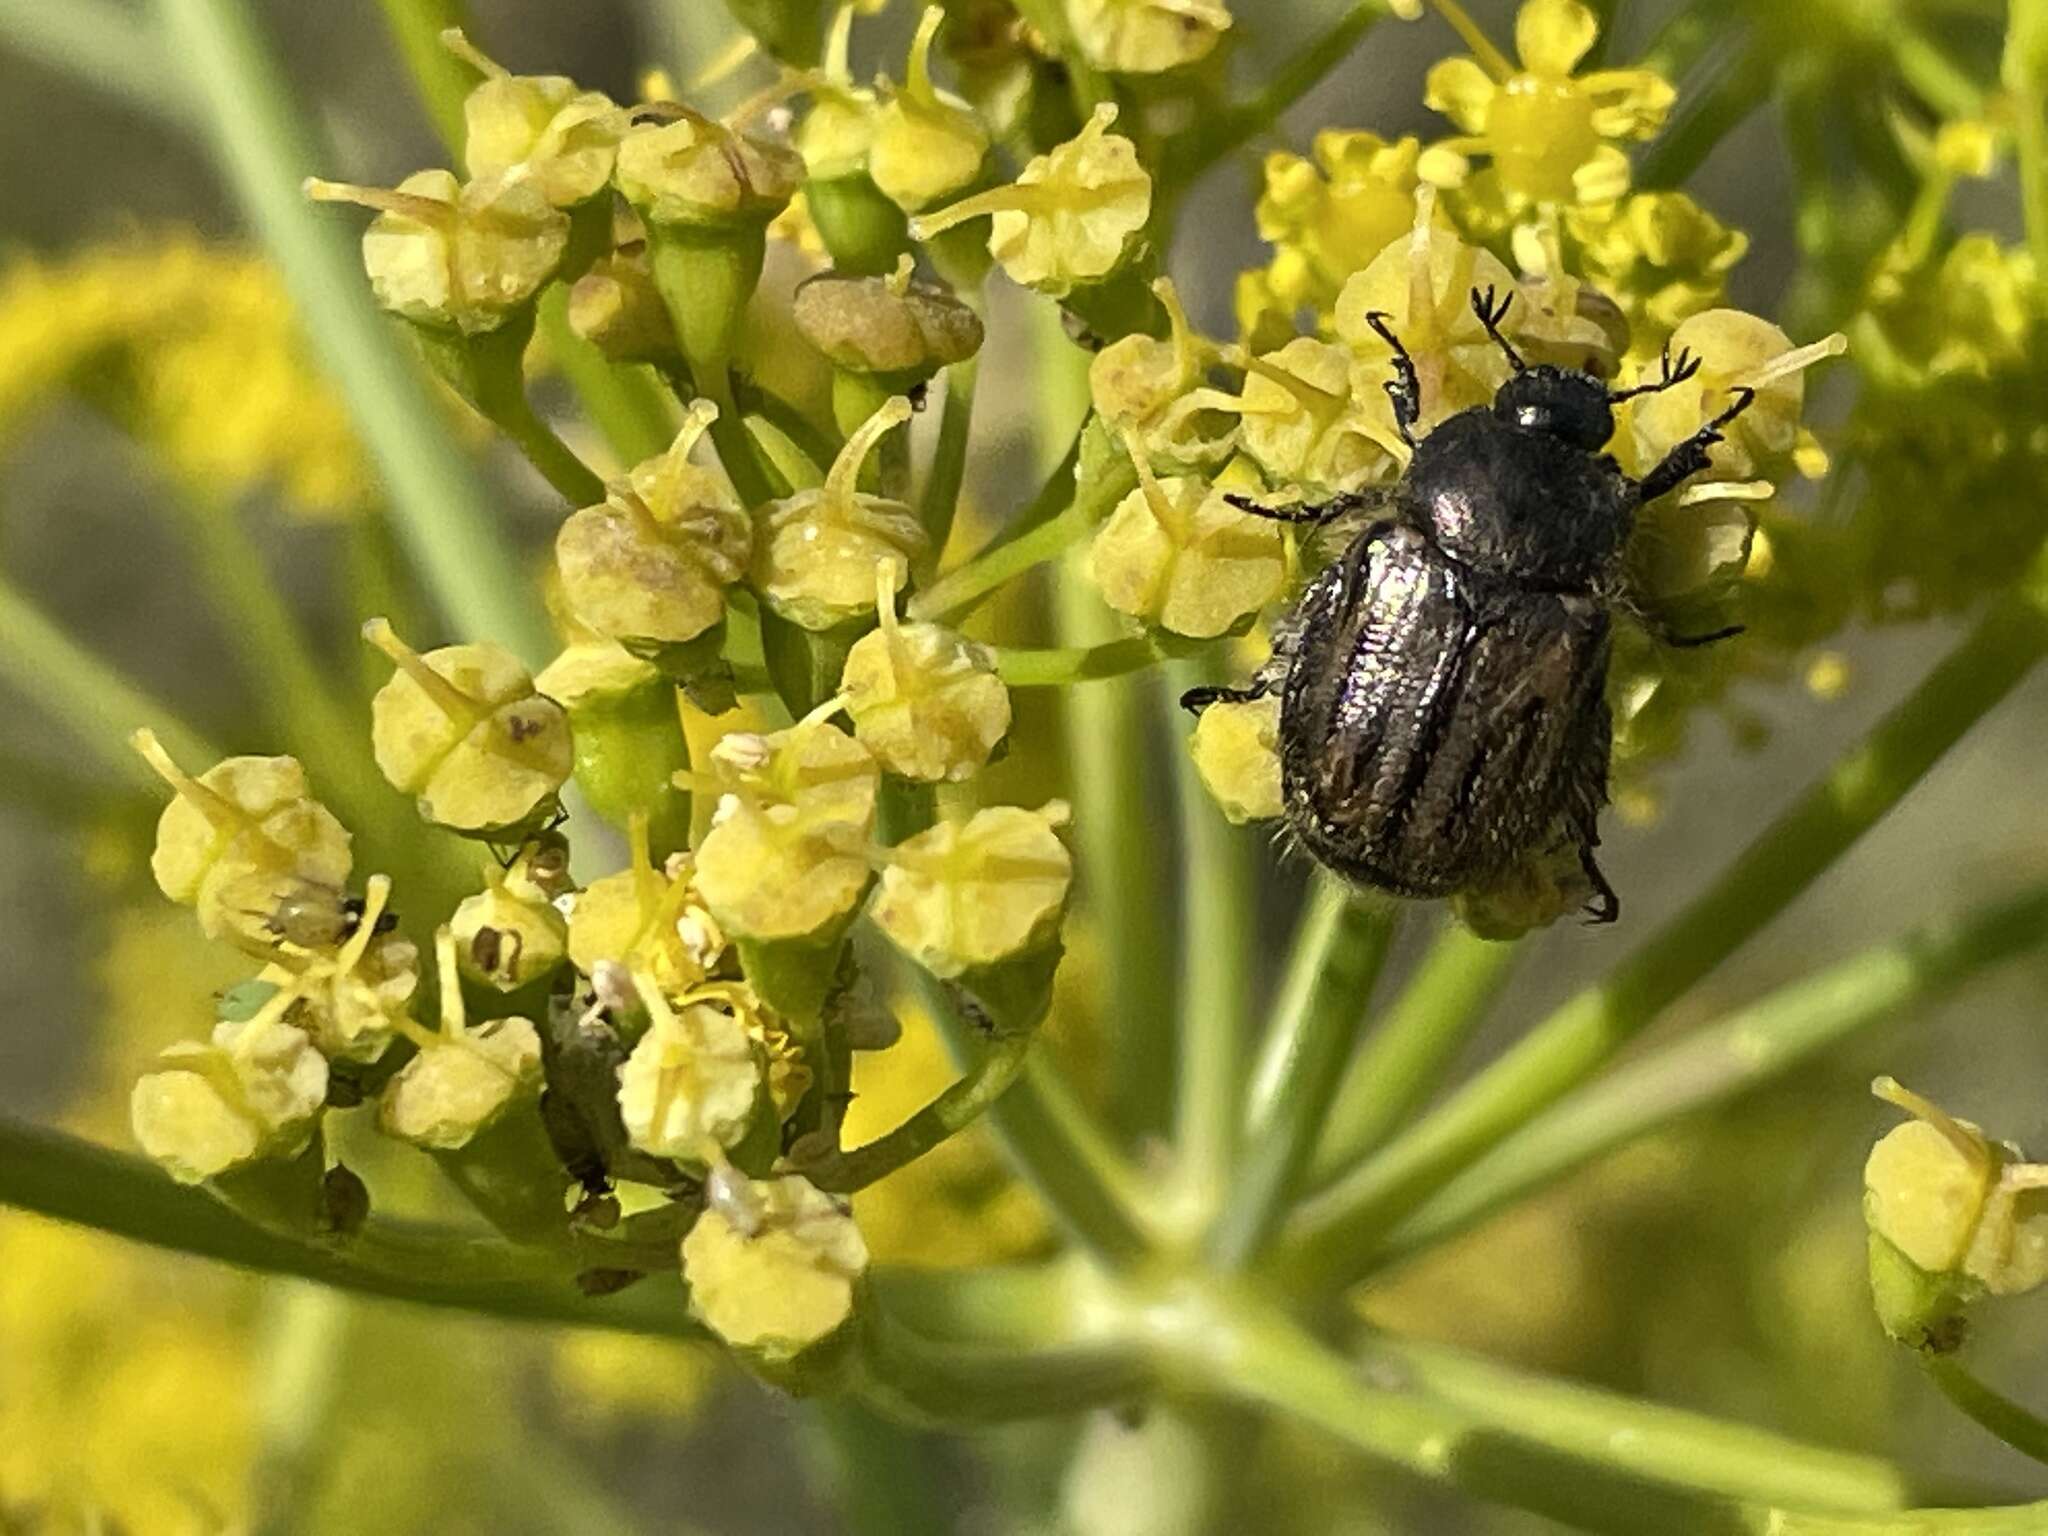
[
  {"x": 1146, "y": 37},
  {"x": 1236, "y": 752},
  {"x": 690, "y": 1087},
  {"x": 463, "y": 730},
  {"x": 928, "y": 144},
  {"x": 980, "y": 903},
  {"x": 464, "y": 1079},
  {"x": 1955, "y": 1204},
  {"x": 786, "y": 857},
  {"x": 680, "y": 167},
  {"x": 616, "y": 307},
  {"x": 509, "y": 934},
  {"x": 815, "y": 562},
  {"x": 924, "y": 699},
  {"x": 649, "y": 567},
  {"x": 466, "y": 258},
  {"x": 629, "y": 738},
  {"x": 1071, "y": 216},
  {"x": 646, "y": 919},
  {"x": 564, "y": 138},
  {"x": 255, "y": 1091},
  {"x": 835, "y": 135},
  {"x": 904, "y": 332},
  {"x": 240, "y": 839},
  {"x": 1177, "y": 555},
  {"x": 774, "y": 1266}
]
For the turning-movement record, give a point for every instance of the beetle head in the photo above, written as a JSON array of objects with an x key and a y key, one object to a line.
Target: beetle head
[{"x": 1560, "y": 401}]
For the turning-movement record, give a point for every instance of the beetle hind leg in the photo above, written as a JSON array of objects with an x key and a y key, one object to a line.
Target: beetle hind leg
[
  {"x": 1690, "y": 457},
  {"x": 1605, "y": 906},
  {"x": 1195, "y": 700}
]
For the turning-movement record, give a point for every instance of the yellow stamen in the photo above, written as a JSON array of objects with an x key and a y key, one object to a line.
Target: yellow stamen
[
  {"x": 844, "y": 479},
  {"x": 224, "y": 814},
  {"x": 444, "y": 695},
  {"x": 406, "y": 205}
]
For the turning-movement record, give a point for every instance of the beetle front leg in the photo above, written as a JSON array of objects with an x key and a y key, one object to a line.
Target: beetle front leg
[
  {"x": 1195, "y": 700},
  {"x": 1605, "y": 907},
  {"x": 1404, "y": 388},
  {"x": 1691, "y": 456}
]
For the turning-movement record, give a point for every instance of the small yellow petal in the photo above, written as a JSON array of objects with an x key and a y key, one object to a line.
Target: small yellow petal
[
  {"x": 1462, "y": 91},
  {"x": 1553, "y": 35}
]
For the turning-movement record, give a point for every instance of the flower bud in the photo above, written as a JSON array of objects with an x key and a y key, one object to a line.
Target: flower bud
[
  {"x": 1307, "y": 422},
  {"x": 815, "y": 561},
  {"x": 253, "y": 1092},
  {"x": 928, "y": 144},
  {"x": 616, "y": 307},
  {"x": 1695, "y": 544},
  {"x": 1146, "y": 37},
  {"x": 835, "y": 135},
  {"x": 786, "y": 858},
  {"x": 1155, "y": 389},
  {"x": 464, "y": 1079},
  {"x": 1954, "y": 1203},
  {"x": 680, "y": 167},
  {"x": 1236, "y": 752},
  {"x": 774, "y": 1267},
  {"x": 647, "y": 920},
  {"x": 509, "y": 934},
  {"x": 629, "y": 738},
  {"x": 240, "y": 839},
  {"x": 564, "y": 138},
  {"x": 649, "y": 567},
  {"x": 690, "y": 1087},
  {"x": 1176, "y": 554},
  {"x": 924, "y": 699},
  {"x": 1737, "y": 351},
  {"x": 1329, "y": 216},
  {"x": 980, "y": 903},
  {"x": 902, "y": 331},
  {"x": 1070, "y": 217},
  {"x": 447, "y": 255},
  {"x": 462, "y": 729}
]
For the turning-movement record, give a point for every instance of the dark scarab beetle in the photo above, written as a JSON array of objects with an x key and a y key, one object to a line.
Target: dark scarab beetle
[{"x": 1442, "y": 682}]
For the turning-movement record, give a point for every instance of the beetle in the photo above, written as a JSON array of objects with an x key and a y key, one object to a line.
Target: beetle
[{"x": 1443, "y": 708}]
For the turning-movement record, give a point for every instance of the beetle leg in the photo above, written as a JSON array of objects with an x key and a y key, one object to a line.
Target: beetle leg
[
  {"x": 1690, "y": 457},
  {"x": 1195, "y": 700},
  {"x": 1605, "y": 907},
  {"x": 1490, "y": 315},
  {"x": 1404, "y": 388},
  {"x": 1317, "y": 514},
  {"x": 1692, "y": 642},
  {"x": 1675, "y": 372}
]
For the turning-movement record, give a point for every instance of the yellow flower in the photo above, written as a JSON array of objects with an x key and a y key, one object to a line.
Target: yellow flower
[
  {"x": 646, "y": 919},
  {"x": 1312, "y": 419},
  {"x": 1177, "y": 554},
  {"x": 1236, "y": 752},
  {"x": 1550, "y": 134},
  {"x": 1146, "y": 37},
  {"x": 1071, "y": 215},
  {"x": 1660, "y": 256},
  {"x": 565, "y": 138},
  {"x": 350, "y": 998},
  {"x": 465, "y": 1077},
  {"x": 254, "y": 1091},
  {"x": 928, "y": 143},
  {"x": 690, "y": 1086},
  {"x": 774, "y": 1266},
  {"x": 923, "y": 698},
  {"x": 962, "y": 896},
  {"x": 681, "y": 167},
  {"x": 1154, "y": 388},
  {"x": 509, "y": 934},
  {"x": 1329, "y": 216}
]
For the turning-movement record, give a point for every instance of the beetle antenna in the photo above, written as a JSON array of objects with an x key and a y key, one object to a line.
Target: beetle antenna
[
  {"x": 1676, "y": 371},
  {"x": 1490, "y": 315}
]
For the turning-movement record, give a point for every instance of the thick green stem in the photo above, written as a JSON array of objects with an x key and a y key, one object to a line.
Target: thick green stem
[
  {"x": 940, "y": 503},
  {"x": 1219, "y": 886},
  {"x": 1338, "y": 949},
  {"x": 1063, "y": 666},
  {"x": 947, "y": 1384},
  {"x": 957, "y": 1107},
  {"x": 1405, "y": 1057},
  {"x": 1716, "y": 1063},
  {"x": 266, "y": 149},
  {"x": 74, "y": 686},
  {"x": 1338, "y": 1228},
  {"x": 103, "y": 45},
  {"x": 2024, "y": 73},
  {"x": 2018, "y": 1426}
]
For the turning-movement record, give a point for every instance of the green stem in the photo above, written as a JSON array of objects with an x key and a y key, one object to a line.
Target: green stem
[
  {"x": 729, "y": 436},
  {"x": 878, "y": 1477},
  {"x": 1936, "y": 78},
  {"x": 266, "y": 148},
  {"x": 1219, "y": 884},
  {"x": 1666, "y": 1445},
  {"x": 811, "y": 440},
  {"x": 2018, "y": 1426},
  {"x": 2010, "y": 1520},
  {"x": 1586, "y": 1458},
  {"x": 58, "y": 675},
  {"x": 305, "y": 1333},
  {"x": 1683, "y": 39},
  {"x": 957, "y": 1107},
  {"x": 1344, "y": 1223},
  {"x": 101, "y": 44},
  {"x": 625, "y": 403},
  {"x": 1752, "y": 1046},
  {"x": 2024, "y": 72},
  {"x": 1049, "y": 19},
  {"x": 940, "y": 504},
  {"x": 442, "y": 81},
  {"x": 1063, "y": 666},
  {"x": 1338, "y": 949},
  {"x": 574, "y": 480},
  {"x": 1734, "y": 83},
  {"x": 1407, "y": 1054},
  {"x": 947, "y": 1384}
]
